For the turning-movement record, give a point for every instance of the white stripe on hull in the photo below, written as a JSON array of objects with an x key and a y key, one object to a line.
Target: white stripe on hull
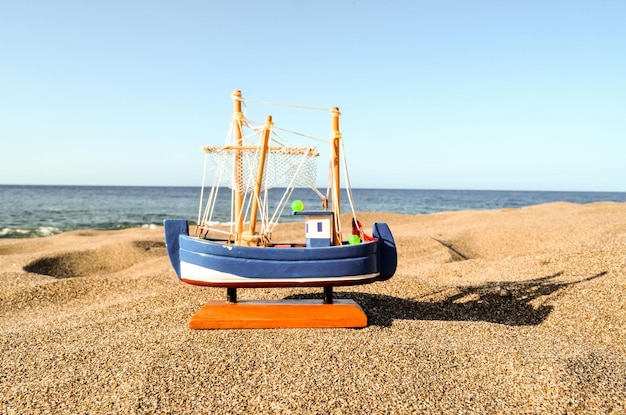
[{"x": 192, "y": 272}]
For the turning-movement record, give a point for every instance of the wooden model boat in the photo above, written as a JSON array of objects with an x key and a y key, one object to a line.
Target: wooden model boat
[{"x": 244, "y": 255}]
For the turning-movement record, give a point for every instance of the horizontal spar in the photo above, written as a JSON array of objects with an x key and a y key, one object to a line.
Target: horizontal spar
[{"x": 284, "y": 150}]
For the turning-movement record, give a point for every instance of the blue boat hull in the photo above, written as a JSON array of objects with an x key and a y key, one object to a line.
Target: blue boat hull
[{"x": 214, "y": 263}]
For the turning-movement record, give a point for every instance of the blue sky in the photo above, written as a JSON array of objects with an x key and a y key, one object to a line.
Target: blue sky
[{"x": 524, "y": 95}]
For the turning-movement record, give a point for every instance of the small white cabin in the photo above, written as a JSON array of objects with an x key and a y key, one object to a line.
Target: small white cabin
[{"x": 318, "y": 228}]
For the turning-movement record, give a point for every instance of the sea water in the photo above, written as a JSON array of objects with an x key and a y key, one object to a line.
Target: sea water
[{"x": 30, "y": 211}]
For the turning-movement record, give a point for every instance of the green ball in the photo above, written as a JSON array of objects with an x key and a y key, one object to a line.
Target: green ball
[
  {"x": 297, "y": 206},
  {"x": 354, "y": 240}
]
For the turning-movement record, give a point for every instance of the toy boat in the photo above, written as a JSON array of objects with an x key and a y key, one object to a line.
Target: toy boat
[{"x": 243, "y": 254}]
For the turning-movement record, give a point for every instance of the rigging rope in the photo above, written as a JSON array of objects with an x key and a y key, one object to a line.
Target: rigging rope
[
  {"x": 348, "y": 186},
  {"x": 278, "y": 104},
  {"x": 283, "y": 164},
  {"x": 256, "y": 125},
  {"x": 202, "y": 189}
]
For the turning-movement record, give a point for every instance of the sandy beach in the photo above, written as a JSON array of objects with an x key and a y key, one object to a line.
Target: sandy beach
[{"x": 492, "y": 312}]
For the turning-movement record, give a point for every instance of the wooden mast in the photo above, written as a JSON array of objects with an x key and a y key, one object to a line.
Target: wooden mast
[
  {"x": 336, "y": 189},
  {"x": 259, "y": 177},
  {"x": 238, "y": 135}
]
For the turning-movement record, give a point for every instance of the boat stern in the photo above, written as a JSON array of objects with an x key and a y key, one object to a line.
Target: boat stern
[{"x": 388, "y": 256}]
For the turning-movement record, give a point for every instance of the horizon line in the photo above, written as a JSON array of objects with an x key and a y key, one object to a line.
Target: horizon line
[{"x": 343, "y": 188}]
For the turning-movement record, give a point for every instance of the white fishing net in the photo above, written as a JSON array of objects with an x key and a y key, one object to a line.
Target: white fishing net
[{"x": 284, "y": 167}]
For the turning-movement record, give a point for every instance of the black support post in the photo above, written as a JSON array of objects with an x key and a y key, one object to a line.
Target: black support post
[
  {"x": 231, "y": 295},
  {"x": 328, "y": 295}
]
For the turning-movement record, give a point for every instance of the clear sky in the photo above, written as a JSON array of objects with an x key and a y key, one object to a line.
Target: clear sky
[{"x": 510, "y": 95}]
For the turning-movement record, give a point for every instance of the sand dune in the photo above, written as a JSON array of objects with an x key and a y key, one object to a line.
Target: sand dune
[{"x": 507, "y": 311}]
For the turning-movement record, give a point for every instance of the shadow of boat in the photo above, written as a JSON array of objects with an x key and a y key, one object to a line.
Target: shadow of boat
[{"x": 519, "y": 303}]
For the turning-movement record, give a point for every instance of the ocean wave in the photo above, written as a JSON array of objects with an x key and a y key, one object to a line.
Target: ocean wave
[
  {"x": 64, "y": 208},
  {"x": 29, "y": 232}
]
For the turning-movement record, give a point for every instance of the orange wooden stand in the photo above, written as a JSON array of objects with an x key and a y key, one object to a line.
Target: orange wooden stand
[{"x": 278, "y": 314}]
